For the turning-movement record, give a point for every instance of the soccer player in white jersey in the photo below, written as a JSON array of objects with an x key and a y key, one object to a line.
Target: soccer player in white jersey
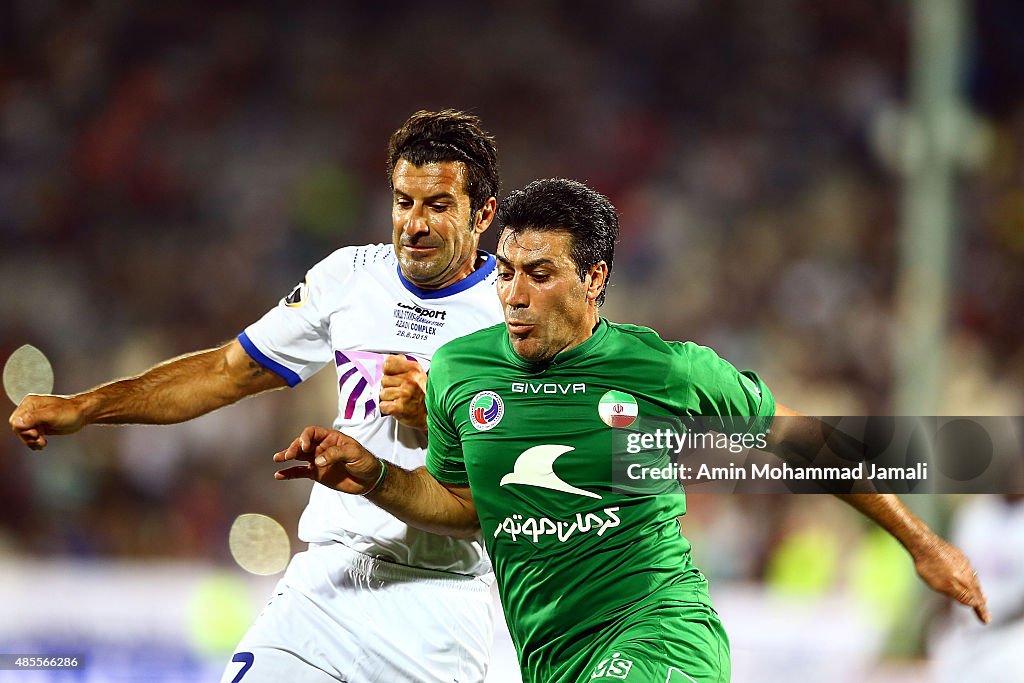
[{"x": 372, "y": 599}]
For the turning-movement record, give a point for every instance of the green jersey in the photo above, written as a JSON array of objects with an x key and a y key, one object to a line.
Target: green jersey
[{"x": 576, "y": 556}]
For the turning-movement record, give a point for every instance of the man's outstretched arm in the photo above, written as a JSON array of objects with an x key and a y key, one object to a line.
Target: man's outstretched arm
[
  {"x": 333, "y": 459},
  {"x": 174, "y": 391},
  {"x": 941, "y": 565}
]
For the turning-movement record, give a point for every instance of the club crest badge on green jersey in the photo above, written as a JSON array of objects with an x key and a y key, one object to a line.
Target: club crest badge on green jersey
[{"x": 486, "y": 410}]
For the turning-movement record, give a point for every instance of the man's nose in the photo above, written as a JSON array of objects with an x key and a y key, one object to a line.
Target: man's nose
[
  {"x": 416, "y": 222},
  {"x": 516, "y": 293}
]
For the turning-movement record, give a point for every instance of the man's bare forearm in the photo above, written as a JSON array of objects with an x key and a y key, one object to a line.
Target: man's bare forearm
[
  {"x": 942, "y": 566},
  {"x": 802, "y": 442},
  {"x": 889, "y": 512},
  {"x": 419, "y": 500},
  {"x": 179, "y": 389}
]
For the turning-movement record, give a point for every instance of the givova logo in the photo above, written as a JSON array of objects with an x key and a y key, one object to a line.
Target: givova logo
[{"x": 486, "y": 410}]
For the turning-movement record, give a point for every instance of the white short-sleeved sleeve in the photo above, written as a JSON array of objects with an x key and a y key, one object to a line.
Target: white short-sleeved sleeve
[{"x": 293, "y": 339}]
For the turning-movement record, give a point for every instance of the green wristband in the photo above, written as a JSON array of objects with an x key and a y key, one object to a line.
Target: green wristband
[{"x": 380, "y": 479}]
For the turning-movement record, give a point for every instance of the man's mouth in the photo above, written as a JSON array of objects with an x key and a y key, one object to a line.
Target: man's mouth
[
  {"x": 519, "y": 328},
  {"x": 419, "y": 248}
]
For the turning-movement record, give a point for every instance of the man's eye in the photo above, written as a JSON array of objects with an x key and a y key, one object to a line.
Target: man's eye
[
  {"x": 403, "y": 203},
  {"x": 540, "y": 277},
  {"x": 505, "y": 275}
]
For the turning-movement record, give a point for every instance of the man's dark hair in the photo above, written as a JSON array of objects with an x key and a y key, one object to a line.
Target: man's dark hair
[
  {"x": 429, "y": 137},
  {"x": 558, "y": 204}
]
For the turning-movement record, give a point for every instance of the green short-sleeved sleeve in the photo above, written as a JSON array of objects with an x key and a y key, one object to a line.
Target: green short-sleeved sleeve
[
  {"x": 444, "y": 449},
  {"x": 719, "y": 390}
]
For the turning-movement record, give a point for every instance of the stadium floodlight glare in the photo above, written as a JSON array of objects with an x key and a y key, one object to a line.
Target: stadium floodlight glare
[
  {"x": 27, "y": 371},
  {"x": 259, "y": 544}
]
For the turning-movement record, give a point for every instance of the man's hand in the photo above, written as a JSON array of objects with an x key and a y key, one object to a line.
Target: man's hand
[
  {"x": 403, "y": 392},
  {"x": 38, "y": 415},
  {"x": 946, "y": 570},
  {"x": 332, "y": 459},
  {"x": 413, "y": 496}
]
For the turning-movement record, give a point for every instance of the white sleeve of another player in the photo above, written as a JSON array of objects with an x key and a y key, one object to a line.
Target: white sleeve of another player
[{"x": 293, "y": 338}]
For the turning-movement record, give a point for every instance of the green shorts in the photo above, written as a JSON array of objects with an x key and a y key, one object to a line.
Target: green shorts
[{"x": 671, "y": 642}]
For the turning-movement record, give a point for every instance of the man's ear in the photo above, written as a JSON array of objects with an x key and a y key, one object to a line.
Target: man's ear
[
  {"x": 485, "y": 216},
  {"x": 596, "y": 278}
]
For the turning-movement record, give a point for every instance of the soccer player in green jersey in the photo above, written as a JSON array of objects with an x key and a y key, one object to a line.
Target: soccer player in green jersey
[{"x": 595, "y": 577}]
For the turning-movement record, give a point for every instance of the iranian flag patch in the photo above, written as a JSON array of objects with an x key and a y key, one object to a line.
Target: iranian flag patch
[{"x": 617, "y": 409}]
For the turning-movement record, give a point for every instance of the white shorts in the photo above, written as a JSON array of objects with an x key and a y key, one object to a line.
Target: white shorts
[{"x": 339, "y": 615}]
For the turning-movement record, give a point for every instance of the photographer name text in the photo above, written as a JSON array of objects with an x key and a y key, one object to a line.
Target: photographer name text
[{"x": 770, "y": 472}]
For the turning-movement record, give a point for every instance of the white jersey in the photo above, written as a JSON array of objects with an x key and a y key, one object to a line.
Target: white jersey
[{"x": 354, "y": 309}]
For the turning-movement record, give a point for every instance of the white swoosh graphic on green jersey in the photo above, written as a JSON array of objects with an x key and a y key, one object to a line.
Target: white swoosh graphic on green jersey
[{"x": 534, "y": 467}]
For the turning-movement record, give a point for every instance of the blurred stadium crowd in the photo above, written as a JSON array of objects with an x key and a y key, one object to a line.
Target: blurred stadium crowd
[{"x": 168, "y": 171}]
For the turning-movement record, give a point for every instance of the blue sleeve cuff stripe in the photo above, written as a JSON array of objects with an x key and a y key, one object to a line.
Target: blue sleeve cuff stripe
[{"x": 266, "y": 362}]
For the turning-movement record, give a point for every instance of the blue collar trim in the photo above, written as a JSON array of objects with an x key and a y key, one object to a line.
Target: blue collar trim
[{"x": 462, "y": 285}]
